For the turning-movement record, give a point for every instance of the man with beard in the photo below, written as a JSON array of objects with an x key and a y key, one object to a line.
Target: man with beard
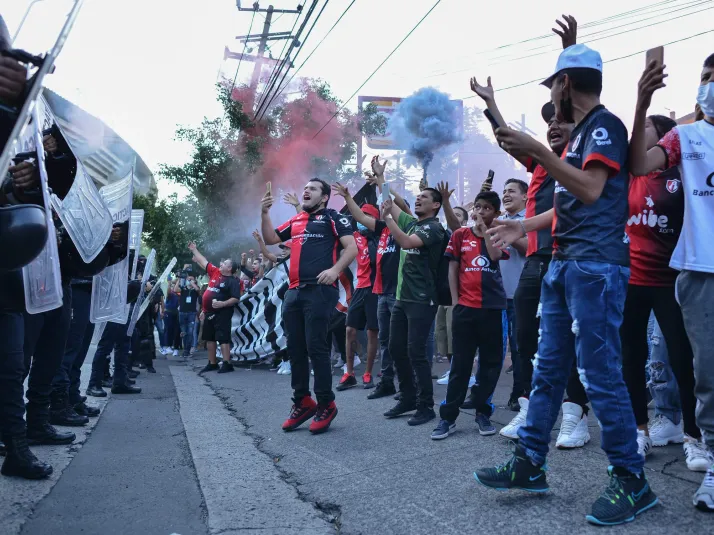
[{"x": 317, "y": 234}]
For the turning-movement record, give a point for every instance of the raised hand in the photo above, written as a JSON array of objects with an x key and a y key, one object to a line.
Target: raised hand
[
  {"x": 443, "y": 188},
  {"x": 266, "y": 203},
  {"x": 291, "y": 199},
  {"x": 378, "y": 168},
  {"x": 340, "y": 190},
  {"x": 386, "y": 208},
  {"x": 652, "y": 79},
  {"x": 568, "y": 30},
  {"x": 257, "y": 236},
  {"x": 485, "y": 92}
]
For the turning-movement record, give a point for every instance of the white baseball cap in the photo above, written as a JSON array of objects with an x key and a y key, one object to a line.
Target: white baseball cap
[{"x": 577, "y": 56}]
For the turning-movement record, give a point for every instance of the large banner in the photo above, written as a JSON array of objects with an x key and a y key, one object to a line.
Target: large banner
[{"x": 257, "y": 320}]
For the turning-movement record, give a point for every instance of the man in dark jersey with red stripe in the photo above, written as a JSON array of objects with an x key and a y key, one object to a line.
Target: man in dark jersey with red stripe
[{"x": 318, "y": 234}]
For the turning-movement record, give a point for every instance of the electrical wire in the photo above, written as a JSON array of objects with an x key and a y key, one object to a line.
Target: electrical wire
[
  {"x": 245, "y": 46},
  {"x": 377, "y": 69},
  {"x": 287, "y": 84},
  {"x": 521, "y": 84},
  {"x": 285, "y": 73}
]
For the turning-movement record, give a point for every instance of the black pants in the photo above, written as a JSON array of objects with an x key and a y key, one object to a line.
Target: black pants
[
  {"x": 45, "y": 338},
  {"x": 641, "y": 300},
  {"x": 526, "y": 300},
  {"x": 114, "y": 338},
  {"x": 408, "y": 330},
  {"x": 307, "y": 312},
  {"x": 474, "y": 329},
  {"x": 12, "y": 372},
  {"x": 338, "y": 333}
]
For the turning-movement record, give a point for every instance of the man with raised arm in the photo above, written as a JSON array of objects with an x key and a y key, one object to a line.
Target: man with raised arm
[{"x": 317, "y": 235}]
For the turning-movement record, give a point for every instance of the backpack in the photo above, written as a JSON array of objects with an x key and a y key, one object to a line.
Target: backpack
[{"x": 443, "y": 292}]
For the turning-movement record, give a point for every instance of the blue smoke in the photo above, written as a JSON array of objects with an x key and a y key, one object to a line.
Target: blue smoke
[{"x": 425, "y": 122}]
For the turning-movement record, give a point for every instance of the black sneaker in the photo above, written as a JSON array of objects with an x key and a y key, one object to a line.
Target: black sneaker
[
  {"x": 516, "y": 473},
  {"x": 226, "y": 367},
  {"x": 514, "y": 405},
  {"x": 485, "y": 427},
  {"x": 347, "y": 381},
  {"x": 107, "y": 383},
  {"x": 382, "y": 391},
  {"x": 400, "y": 408},
  {"x": 96, "y": 391},
  {"x": 422, "y": 416},
  {"x": 151, "y": 369},
  {"x": 626, "y": 496},
  {"x": 209, "y": 368},
  {"x": 443, "y": 430}
]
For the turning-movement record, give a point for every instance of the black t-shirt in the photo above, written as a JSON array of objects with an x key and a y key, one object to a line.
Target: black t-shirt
[
  {"x": 387, "y": 274},
  {"x": 419, "y": 267},
  {"x": 220, "y": 288},
  {"x": 596, "y": 231},
  {"x": 188, "y": 299},
  {"x": 315, "y": 243}
]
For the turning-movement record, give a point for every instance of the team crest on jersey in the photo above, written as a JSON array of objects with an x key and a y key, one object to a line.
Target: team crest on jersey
[
  {"x": 576, "y": 143},
  {"x": 673, "y": 185}
]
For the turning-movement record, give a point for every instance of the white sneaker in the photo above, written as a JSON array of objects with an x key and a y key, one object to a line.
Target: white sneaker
[
  {"x": 644, "y": 443},
  {"x": 339, "y": 364},
  {"x": 663, "y": 432},
  {"x": 192, "y": 351},
  {"x": 574, "y": 432},
  {"x": 175, "y": 353},
  {"x": 287, "y": 369},
  {"x": 511, "y": 430},
  {"x": 281, "y": 367},
  {"x": 357, "y": 361},
  {"x": 704, "y": 497},
  {"x": 444, "y": 379},
  {"x": 472, "y": 380},
  {"x": 699, "y": 458},
  {"x": 164, "y": 350}
]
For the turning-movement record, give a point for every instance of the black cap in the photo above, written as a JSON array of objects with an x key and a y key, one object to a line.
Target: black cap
[{"x": 547, "y": 111}]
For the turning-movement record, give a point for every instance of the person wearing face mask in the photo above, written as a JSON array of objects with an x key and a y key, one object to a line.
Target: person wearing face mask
[
  {"x": 583, "y": 293},
  {"x": 691, "y": 148},
  {"x": 362, "y": 312},
  {"x": 317, "y": 234}
]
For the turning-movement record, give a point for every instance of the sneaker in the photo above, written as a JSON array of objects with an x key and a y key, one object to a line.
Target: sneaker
[
  {"x": 287, "y": 369},
  {"x": 704, "y": 497},
  {"x": 422, "y": 416},
  {"x": 226, "y": 367},
  {"x": 367, "y": 382},
  {"x": 323, "y": 418},
  {"x": 281, "y": 367},
  {"x": 193, "y": 350},
  {"x": 472, "y": 380},
  {"x": 511, "y": 430},
  {"x": 301, "y": 411},
  {"x": 347, "y": 381},
  {"x": 150, "y": 369},
  {"x": 444, "y": 379},
  {"x": 339, "y": 364},
  {"x": 398, "y": 396},
  {"x": 663, "y": 431},
  {"x": 485, "y": 427},
  {"x": 400, "y": 408},
  {"x": 516, "y": 473},
  {"x": 382, "y": 391},
  {"x": 509, "y": 369},
  {"x": 513, "y": 404},
  {"x": 209, "y": 368},
  {"x": 175, "y": 353},
  {"x": 357, "y": 361},
  {"x": 644, "y": 443},
  {"x": 626, "y": 496},
  {"x": 699, "y": 458},
  {"x": 443, "y": 430},
  {"x": 276, "y": 367},
  {"x": 574, "y": 432}
]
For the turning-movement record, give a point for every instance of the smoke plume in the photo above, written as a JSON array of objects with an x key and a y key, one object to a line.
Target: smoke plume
[{"x": 424, "y": 123}]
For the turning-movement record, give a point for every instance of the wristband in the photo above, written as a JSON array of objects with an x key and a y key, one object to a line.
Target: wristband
[{"x": 523, "y": 228}]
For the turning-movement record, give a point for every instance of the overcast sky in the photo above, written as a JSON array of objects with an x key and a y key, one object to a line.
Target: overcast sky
[{"x": 144, "y": 66}]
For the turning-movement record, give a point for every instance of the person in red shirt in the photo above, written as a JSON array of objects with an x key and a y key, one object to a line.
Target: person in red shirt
[
  {"x": 656, "y": 205},
  {"x": 222, "y": 294},
  {"x": 477, "y": 289},
  {"x": 318, "y": 234}
]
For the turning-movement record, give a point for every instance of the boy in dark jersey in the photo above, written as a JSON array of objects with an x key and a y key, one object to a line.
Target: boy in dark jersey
[
  {"x": 317, "y": 233},
  {"x": 583, "y": 293},
  {"x": 477, "y": 290}
]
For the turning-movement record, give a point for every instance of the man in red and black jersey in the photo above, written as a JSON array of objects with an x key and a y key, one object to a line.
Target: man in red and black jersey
[
  {"x": 317, "y": 234},
  {"x": 477, "y": 289}
]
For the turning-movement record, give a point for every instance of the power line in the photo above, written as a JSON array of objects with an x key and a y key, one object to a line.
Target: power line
[
  {"x": 607, "y": 61},
  {"x": 281, "y": 87},
  {"x": 378, "y": 67},
  {"x": 245, "y": 46},
  {"x": 315, "y": 49}
]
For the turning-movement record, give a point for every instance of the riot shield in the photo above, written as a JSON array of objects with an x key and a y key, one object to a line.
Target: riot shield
[
  {"x": 142, "y": 291},
  {"x": 136, "y": 226},
  {"x": 41, "y": 277},
  {"x": 147, "y": 301}
]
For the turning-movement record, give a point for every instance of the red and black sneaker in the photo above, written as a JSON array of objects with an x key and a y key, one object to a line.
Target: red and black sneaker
[
  {"x": 348, "y": 381},
  {"x": 302, "y": 411},
  {"x": 323, "y": 418}
]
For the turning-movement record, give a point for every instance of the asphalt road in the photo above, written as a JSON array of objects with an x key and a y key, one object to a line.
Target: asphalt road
[{"x": 206, "y": 455}]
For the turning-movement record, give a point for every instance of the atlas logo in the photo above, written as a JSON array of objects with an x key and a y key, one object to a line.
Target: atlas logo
[
  {"x": 673, "y": 185},
  {"x": 573, "y": 148},
  {"x": 710, "y": 184},
  {"x": 601, "y": 137}
]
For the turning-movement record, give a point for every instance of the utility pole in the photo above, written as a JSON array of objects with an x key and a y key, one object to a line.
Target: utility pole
[{"x": 261, "y": 50}]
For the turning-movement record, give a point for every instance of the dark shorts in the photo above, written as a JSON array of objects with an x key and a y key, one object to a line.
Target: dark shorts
[
  {"x": 362, "y": 312},
  {"x": 217, "y": 326}
]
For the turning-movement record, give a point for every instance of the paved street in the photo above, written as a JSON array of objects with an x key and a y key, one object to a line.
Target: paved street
[{"x": 194, "y": 455}]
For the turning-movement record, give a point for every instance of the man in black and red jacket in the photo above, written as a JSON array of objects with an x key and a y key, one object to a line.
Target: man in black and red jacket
[{"x": 317, "y": 233}]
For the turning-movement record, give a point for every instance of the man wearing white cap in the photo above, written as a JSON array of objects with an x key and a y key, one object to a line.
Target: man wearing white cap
[{"x": 583, "y": 293}]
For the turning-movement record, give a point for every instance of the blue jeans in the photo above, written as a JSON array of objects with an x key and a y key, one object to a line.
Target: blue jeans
[
  {"x": 187, "y": 324},
  {"x": 582, "y": 311},
  {"x": 662, "y": 384},
  {"x": 385, "y": 304}
]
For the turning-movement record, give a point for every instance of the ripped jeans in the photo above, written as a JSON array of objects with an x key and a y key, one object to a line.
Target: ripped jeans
[
  {"x": 661, "y": 381},
  {"x": 583, "y": 303}
]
